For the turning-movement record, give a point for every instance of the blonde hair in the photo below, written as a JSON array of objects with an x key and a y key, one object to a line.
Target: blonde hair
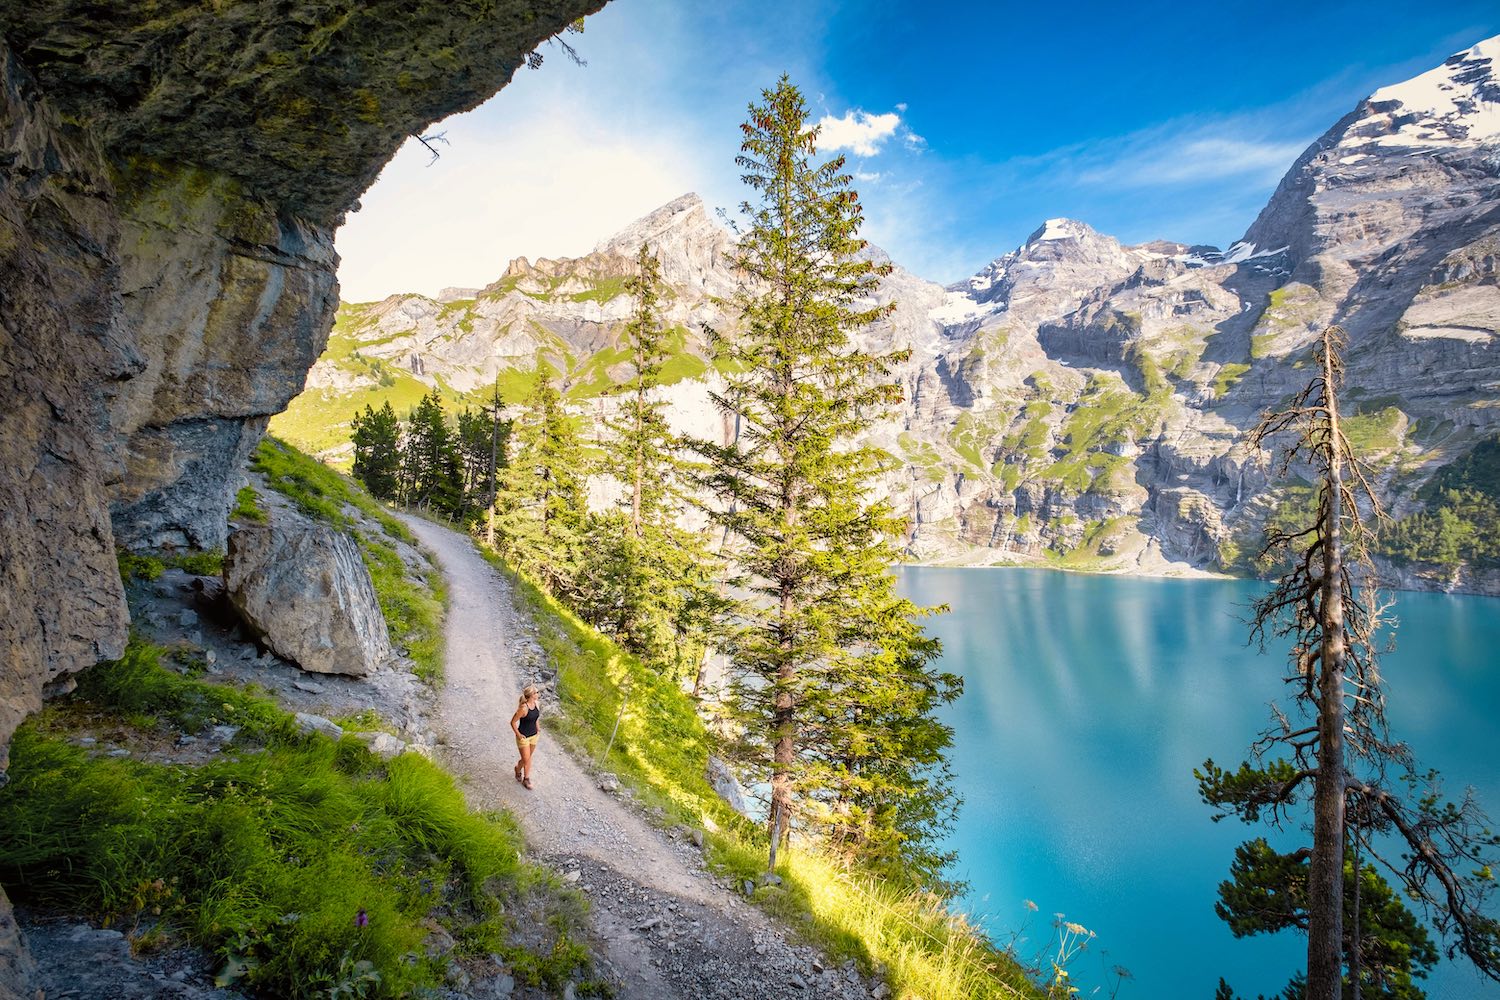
[{"x": 527, "y": 693}]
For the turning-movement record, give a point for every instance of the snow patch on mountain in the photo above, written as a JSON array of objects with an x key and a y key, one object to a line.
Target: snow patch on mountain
[{"x": 1458, "y": 102}]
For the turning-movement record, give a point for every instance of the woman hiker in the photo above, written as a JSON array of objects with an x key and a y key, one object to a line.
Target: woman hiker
[{"x": 524, "y": 723}]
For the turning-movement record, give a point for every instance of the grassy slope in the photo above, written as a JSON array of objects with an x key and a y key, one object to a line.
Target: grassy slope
[
  {"x": 266, "y": 855},
  {"x": 661, "y": 751}
]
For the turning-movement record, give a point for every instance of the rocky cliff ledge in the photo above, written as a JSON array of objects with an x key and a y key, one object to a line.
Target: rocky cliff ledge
[{"x": 171, "y": 176}]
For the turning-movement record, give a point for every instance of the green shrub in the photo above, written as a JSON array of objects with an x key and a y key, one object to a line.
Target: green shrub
[{"x": 138, "y": 567}]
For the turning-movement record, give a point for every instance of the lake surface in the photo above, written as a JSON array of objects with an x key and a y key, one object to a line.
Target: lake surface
[{"x": 1088, "y": 702}]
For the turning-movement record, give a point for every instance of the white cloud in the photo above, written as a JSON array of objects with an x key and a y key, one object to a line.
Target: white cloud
[
  {"x": 1172, "y": 157},
  {"x": 857, "y": 131}
]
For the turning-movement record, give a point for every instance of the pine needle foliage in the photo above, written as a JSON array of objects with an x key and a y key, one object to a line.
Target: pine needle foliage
[
  {"x": 650, "y": 583},
  {"x": 540, "y": 501},
  {"x": 833, "y": 682}
]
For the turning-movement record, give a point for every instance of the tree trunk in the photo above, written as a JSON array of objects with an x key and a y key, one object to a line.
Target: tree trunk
[
  {"x": 1325, "y": 882},
  {"x": 1356, "y": 942},
  {"x": 784, "y": 726}
]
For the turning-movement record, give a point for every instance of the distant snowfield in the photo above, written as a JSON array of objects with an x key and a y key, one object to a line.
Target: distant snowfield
[{"x": 1458, "y": 101}]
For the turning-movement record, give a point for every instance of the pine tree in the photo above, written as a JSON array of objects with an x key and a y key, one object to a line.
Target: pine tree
[
  {"x": 1337, "y": 740},
  {"x": 651, "y": 582},
  {"x": 377, "y": 451},
  {"x": 540, "y": 503},
  {"x": 481, "y": 447},
  {"x": 833, "y": 679},
  {"x": 430, "y": 473},
  {"x": 1267, "y": 893}
]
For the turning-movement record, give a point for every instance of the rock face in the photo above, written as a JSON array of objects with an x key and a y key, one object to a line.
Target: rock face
[
  {"x": 1077, "y": 397},
  {"x": 171, "y": 175},
  {"x": 303, "y": 588}
]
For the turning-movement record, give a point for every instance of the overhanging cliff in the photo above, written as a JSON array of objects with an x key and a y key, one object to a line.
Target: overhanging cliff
[{"x": 171, "y": 176}]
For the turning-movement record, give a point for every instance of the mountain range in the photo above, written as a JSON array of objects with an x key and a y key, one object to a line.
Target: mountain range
[{"x": 1076, "y": 401}]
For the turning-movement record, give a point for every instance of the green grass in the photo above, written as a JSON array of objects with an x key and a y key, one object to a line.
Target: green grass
[
  {"x": 970, "y": 436},
  {"x": 149, "y": 566},
  {"x": 413, "y": 608},
  {"x": 1030, "y": 440},
  {"x": 1228, "y": 377},
  {"x": 1289, "y": 308},
  {"x": 661, "y": 752},
  {"x": 603, "y": 290},
  {"x": 266, "y": 856},
  {"x": 1107, "y": 414},
  {"x": 247, "y": 506},
  {"x": 1085, "y": 555},
  {"x": 922, "y": 455},
  {"x": 1374, "y": 433}
]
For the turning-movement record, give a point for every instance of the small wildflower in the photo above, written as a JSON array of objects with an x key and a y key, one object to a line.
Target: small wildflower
[{"x": 361, "y": 919}]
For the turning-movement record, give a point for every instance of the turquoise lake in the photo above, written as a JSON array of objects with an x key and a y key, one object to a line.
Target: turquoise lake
[{"x": 1088, "y": 702}]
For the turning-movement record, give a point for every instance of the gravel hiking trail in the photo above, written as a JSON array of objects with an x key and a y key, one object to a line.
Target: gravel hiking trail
[{"x": 668, "y": 928}]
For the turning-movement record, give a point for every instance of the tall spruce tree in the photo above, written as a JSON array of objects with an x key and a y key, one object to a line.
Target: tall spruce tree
[
  {"x": 481, "y": 443},
  {"x": 1336, "y": 740},
  {"x": 430, "y": 472},
  {"x": 540, "y": 503},
  {"x": 651, "y": 582},
  {"x": 834, "y": 686},
  {"x": 377, "y": 451}
]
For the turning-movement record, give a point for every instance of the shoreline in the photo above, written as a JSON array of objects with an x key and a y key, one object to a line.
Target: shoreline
[{"x": 1403, "y": 582}]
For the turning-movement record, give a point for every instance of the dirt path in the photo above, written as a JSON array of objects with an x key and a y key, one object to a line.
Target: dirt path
[{"x": 669, "y": 929}]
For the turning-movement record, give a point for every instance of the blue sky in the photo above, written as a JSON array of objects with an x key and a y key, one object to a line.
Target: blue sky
[{"x": 966, "y": 124}]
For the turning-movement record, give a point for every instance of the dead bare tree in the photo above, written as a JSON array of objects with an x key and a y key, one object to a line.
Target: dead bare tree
[{"x": 1337, "y": 738}]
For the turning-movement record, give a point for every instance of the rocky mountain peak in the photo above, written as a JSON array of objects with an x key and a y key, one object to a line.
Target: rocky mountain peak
[
  {"x": 686, "y": 213},
  {"x": 692, "y": 247},
  {"x": 1054, "y": 230}
]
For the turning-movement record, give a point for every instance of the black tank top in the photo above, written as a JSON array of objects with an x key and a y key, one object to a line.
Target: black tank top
[{"x": 528, "y": 722}]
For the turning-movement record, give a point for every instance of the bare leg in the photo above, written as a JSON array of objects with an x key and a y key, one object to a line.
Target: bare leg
[{"x": 526, "y": 752}]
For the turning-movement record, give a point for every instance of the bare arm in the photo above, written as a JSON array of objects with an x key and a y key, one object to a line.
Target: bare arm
[{"x": 515, "y": 720}]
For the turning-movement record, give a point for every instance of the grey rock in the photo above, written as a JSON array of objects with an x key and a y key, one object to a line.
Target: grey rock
[
  {"x": 382, "y": 744},
  {"x": 308, "y": 687},
  {"x": 609, "y": 783},
  {"x": 723, "y": 781},
  {"x": 317, "y": 724},
  {"x": 303, "y": 587},
  {"x": 188, "y": 618}
]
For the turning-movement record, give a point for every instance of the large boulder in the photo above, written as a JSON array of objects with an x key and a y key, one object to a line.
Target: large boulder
[{"x": 302, "y": 587}]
